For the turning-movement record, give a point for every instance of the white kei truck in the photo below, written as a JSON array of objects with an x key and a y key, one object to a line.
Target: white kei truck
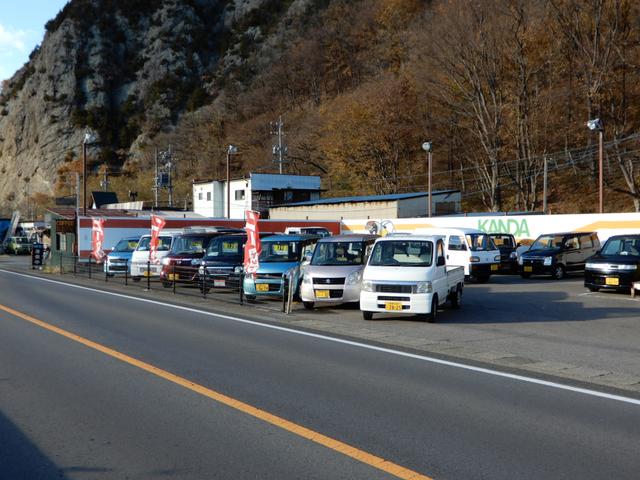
[{"x": 408, "y": 273}]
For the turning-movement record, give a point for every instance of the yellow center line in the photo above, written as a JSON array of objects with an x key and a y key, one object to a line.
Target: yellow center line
[{"x": 316, "y": 437}]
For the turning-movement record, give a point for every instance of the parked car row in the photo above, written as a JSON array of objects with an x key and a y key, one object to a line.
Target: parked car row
[{"x": 401, "y": 272}]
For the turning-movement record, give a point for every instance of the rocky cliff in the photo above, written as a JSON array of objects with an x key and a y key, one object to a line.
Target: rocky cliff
[{"x": 126, "y": 69}]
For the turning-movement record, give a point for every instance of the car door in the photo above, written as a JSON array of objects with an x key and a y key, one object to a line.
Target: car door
[
  {"x": 572, "y": 255},
  {"x": 587, "y": 248},
  {"x": 457, "y": 253},
  {"x": 439, "y": 281}
]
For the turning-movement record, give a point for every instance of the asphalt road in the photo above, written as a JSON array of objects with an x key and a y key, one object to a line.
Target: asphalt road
[{"x": 70, "y": 411}]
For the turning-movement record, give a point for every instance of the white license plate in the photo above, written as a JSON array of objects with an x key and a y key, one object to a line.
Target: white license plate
[{"x": 219, "y": 282}]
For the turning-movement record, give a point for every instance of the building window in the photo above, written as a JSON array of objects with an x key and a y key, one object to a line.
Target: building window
[
  {"x": 239, "y": 194},
  {"x": 288, "y": 196},
  {"x": 208, "y": 196},
  {"x": 200, "y": 196}
]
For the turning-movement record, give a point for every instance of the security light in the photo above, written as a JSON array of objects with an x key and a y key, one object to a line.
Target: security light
[
  {"x": 426, "y": 146},
  {"x": 595, "y": 125}
]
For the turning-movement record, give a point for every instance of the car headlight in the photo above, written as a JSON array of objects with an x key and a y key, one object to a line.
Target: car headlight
[
  {"x": 595, "y": 266},
  {"x": 496, "y": 258},
  {"x": 353, "y": 278},
  {"x": 627, "y": 267},
  {"x": 196, "y": 261},
  {"x": 520, "y": 261},
  {"x": 513, "y": 255},
  {"x": 474, "y": 259},
  {"x": 423, "y": 287},
  {"x": 306, "y": 279},
  {"x": 166, "y": 261},
  {"x": 367, "y": 285},
  {"x": 547, "y": 261},
  {"x": 238, "y": 269}
]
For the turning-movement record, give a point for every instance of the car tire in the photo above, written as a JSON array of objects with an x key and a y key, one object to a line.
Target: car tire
[
  {"x": 559, "y": 272},
  {"x": 593, "y": 289},
  {"x": 166, "y": 284},
  {"x": 135, "y": 279},
  {"x": 456, "y": 298},
  {"x": 251, "y": 298},
  {"x": 482, "y": 278},
  {"x": 433, "y": 316},
  {"x": 307, "y": 305},
  {"x": 367, "y": 315},
  {"x": 526, "y": 276}
]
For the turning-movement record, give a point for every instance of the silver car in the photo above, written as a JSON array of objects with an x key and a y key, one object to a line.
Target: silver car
[{"x": 334, "y": 274}]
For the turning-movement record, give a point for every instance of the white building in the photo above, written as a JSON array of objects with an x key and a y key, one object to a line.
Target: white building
[
  {"x": 258, "y": 192},
  {"x": 401, "y": 205}
]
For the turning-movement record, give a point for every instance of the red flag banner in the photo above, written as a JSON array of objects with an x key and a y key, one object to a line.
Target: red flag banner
[
  {"x": 97, "y": 239},
  {"x": 157, "y": 224},
  {"x": 252, "y": 248}
]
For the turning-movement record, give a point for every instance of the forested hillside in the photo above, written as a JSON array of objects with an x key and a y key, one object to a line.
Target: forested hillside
[{"x": 498, "y": 86}]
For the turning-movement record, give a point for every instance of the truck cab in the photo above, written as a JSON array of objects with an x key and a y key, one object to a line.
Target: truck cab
[
  {"x": 140, "y": 258},
  {"x": 469, "y": 248},
  {"x": 409, "y": 274}
]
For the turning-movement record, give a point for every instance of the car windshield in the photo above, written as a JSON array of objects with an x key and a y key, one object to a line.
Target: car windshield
[
  {"x": 338, "y": 253},
  {"x": 164, "y": 243},
  {"x": 546, "y": 242},
  {"x": 188, "y": 244},
  {"x": 402, "y": 253},
  {"x": 503, "y": 240},
  {"x": 125, "y": 245},
  {"x": 226, "y": 248},
  {"x": 283, "y": 251},
  {"x": 22, "y": 240},
  {"x": 480, "y": 242},
  {"x": 622, "y": 246},
  {"x": 323, "y": 232}
]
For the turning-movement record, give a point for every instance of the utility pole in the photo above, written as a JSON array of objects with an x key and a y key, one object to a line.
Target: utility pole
[
  {"x": 169, "y": 167},
  {"x": 280, "y": 150},
  {"x": 596, "y": 125},
  {"x": 427, "y": 147},
  {"x": 544, "y": 186},
  {"x": 156, "y": 184},
  {"x": 230, "y": 151},
  {"x": 88, "y": 138},
  {"x": 105, "y": 178}
]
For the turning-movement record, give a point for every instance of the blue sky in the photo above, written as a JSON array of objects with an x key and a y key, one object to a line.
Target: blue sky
[{"x": 21, "y": 29}]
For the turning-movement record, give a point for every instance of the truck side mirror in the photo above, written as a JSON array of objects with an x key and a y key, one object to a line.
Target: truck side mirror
[{"x": 440, "y": 262}]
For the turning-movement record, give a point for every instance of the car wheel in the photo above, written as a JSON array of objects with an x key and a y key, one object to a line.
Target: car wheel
[
  {"x": 433, "y": 316},
  {"x": 525, "y": 275},
  {"x": 482, "y": 278},
  {"x": 166, "y": 284},
  {"x": 308, "y": 305},
  {"x": 367, "y": 315},
  {"x": 456, "y": 298},
  {"x": 135, "y": 279},
  {"x": 251, "y": 298},
  {"x": 559, "y": 272},
  {"x": 593, "y": 289}
]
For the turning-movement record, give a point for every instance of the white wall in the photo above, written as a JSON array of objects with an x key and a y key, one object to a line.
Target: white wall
[
  {"x": 521, "y": 226},
  {"x": 336, "y": 211}
]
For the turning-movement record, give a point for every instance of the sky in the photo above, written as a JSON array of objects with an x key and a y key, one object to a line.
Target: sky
[{"x": 21, "y": 29}]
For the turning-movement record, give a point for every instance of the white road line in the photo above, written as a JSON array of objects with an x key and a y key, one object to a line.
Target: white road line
[
  {"x": 497, "y": 373},
  {"x": 608, "y": 297}
]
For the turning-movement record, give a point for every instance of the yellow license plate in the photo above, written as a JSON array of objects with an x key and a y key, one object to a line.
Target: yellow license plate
[
  {"x": 173, "y": 276},
  {"x": 612, "y": 281},
  {"x": 322, "y": 293},
  {"x": 393, "y": 306},
  {"x": 146, "y": 273},
  {"x": 262, "y": 287},
  {"x": 528, "y": 269},
  {"x": 494, "y": 268}
]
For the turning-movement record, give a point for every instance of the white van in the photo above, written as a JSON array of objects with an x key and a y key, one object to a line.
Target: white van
[
  {"x": 140, "y": 266},
  {"x": 472, "y": 249}
]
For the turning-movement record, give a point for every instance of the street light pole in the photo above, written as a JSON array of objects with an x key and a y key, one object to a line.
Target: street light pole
[
  {"x": 426, "y": 146},
  {"x": 596, "y": 125},
  {"x": 230, "y": 150},
  {"x": 84, "y": 177}
]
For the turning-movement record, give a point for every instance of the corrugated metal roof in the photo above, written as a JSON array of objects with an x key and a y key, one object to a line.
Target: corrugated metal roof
[{"x": 369, "y": 198}]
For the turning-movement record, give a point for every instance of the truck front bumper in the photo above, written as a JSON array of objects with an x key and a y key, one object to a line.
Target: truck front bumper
[{"x": 396, "y": 302}]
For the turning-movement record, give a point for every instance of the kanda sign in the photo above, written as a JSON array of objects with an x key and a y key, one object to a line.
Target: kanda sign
[
  {"x": 252, "y": 248},
  {"x": 157, "y": 224},
  {"x": 97, "y": 238}
]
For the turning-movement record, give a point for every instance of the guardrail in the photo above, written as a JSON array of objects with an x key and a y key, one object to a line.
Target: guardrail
[{"x": 190, "y": 280}]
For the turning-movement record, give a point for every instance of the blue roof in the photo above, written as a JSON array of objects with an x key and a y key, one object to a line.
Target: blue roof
[{"x": 369, "y": 198}]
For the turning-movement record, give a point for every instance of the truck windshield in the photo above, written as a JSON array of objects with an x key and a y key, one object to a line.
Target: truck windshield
[
  {"x": 273, "y": 252},
  {"x": 622, "y": 246},
  {"x": 479, "y": 242},
  {"x": 402, "y": 253},
  {"x": 125, "y": 245},
  {"x": 188, "y": 244},
  {"x": 338, "y": 253},
  {"x": 226, "y": 249},
  {"x": 503, "y": 240},
  {"x": 164, "y": 243},
  {"x": 546, "y": 242}
]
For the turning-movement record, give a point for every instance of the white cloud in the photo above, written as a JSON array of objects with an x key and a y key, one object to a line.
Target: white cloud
[{"x": 12, "y": 40}]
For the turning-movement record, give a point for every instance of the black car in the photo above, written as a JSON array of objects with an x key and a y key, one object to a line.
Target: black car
[
  {"x": 616, "y": 266},
  {"x": 507, "y": 245},
  {"x": 558, "y": 254}
]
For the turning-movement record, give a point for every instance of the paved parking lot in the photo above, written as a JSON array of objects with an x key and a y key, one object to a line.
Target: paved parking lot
[{"x": 538, "y": 325}]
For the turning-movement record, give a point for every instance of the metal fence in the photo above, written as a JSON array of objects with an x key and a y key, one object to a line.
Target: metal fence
[{"x": 174, "y": 279}]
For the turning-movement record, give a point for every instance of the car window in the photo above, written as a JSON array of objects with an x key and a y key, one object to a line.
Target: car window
[
  {"x": 572, "y": 243},
  {"x": 622, "y": 246},
  {"x": 402, "y": 253},
  {"x": 586, "y": 242},
  {"x": 338, "y": 253},
  {"x": 456, "y": 243}
]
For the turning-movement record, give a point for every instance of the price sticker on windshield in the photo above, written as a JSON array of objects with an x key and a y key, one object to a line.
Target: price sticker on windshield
[
  {"x": 281, "y": 249},
  {"x": 229, "y": 247}
]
